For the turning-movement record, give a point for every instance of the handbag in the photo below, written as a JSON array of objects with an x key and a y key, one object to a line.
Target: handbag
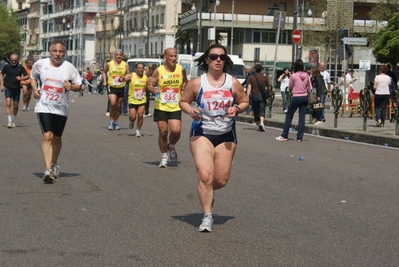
[
  {"x": 264, "y": 92},
  {"x": 318, "y": 106},
  {"x": 311, "y": 98}
]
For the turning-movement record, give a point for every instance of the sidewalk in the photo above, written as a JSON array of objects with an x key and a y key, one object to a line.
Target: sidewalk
[{"x": 347, "y": 128}]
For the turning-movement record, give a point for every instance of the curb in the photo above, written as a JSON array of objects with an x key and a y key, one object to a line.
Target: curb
[{"x": 352, "y": 135}]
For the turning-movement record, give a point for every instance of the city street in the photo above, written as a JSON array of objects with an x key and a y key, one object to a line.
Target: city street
[{"x": 113, "y": 206}]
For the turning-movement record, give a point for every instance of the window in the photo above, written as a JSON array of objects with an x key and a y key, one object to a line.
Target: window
[
  {"x": 275, "y": 6},
  {"x": 269, "y": 36},
  {"x": 256, "y": 36}
]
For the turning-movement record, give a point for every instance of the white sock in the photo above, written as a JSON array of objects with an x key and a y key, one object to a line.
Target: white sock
[
  {"x": 208, "y": 214},
  {"x": 9, "y": 117},
  {"x": 171, "y": 146},
  {"x": 164, "y": 155}
]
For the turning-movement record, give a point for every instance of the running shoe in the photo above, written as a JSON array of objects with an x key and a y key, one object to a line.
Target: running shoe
[
  {"x": 111, "y": 125},
  {"x": 163, "y": 163},
  {"x": 299, "y": 140},
  {"x": 27, "y": 108},
  {"x": 172, "y": 154},
  {"x": 13, "y": 125},
  {"x": 206, "y": 224},
  {"x": 56, "y": 170},
  {"x": 9, "y": 125},
  {"x": 138, "y": 134},
  {"x": 261, "y": 127},
  {"x": 131, "y": 125},
  {"x": 280, "y": 138},
  {"x": 24, "y": 108},
  {"x": 148, "y": 115},
  {"x": 116, "y": 126},
  {"x": 107, "y": 114},
  {"x": 48, "y": 176}
]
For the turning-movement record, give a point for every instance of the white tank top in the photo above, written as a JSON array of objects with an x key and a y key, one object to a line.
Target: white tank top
[{"x": 215, "y": 102}]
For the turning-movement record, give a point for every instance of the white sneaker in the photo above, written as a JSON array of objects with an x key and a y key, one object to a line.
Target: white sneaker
[
  {"x": 107, "y": 114},
  {"x": 27, "y": 108},
  {"x": 280, "y": 138},
  {"x": 285, "y": 111},
  {"x": 138, "y": 134},
  {"x": 56, "y": 170},
  {"x": 9, "y": 125},
  {"x": 261, "y": 127},
  {"x": 24, "y": 108},
  {"x": 318, "y": 123},
  {"x": 206, "y": 224},
  {"x": 163, "y": 163},
  {"x": 172, "y": 154},
  {"x": 48, "y": 176}
]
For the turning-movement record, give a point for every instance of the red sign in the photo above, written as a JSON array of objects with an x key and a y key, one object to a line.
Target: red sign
[{"x": 296, "y": 36}]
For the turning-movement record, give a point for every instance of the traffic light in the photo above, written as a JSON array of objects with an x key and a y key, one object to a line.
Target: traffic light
[{"x": 342, "y": 33}]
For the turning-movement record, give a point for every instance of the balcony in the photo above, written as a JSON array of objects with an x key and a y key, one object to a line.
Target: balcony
[
  {"x": 105, "y": 34},
  {"x": 33, "y": 15},
  {"x": 160, "y": 2},
  {"x": 144, "y": 5}
]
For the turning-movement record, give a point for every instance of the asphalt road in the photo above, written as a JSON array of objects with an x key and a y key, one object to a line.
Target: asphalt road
[{"x": 112, "y": 205}]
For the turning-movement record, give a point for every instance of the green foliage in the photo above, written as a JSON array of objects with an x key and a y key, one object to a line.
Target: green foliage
[
  {"x": 9, "y": 34},
  {"x": 386, "y": 46},
  {"x": 384, "y": 10}
]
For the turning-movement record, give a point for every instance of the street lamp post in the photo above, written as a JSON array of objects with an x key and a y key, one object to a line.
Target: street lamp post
[
  {"x": 199, "y": 46},
  {"x": 309, "y": 13},
  {"x": 217, "y": 2},
  {"x": 232, "y": 27},
  {"x": 294, "y": 26}
]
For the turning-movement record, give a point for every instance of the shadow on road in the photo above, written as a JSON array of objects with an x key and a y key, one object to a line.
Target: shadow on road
[
  {"x": 62, "y": 174},
  {"x": 195, "y": 218}
]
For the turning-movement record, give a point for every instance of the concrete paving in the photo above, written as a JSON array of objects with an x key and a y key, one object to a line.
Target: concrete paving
[{"x": 348, "y": 128}]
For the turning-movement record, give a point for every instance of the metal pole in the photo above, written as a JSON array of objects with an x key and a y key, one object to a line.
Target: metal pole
[
  {"x": 232, "y": 27},
  {"x": 276, "y": 48},
  {"x": 175, "y": 24},
  {"x": 214, "y": 18},
  {"x": 148, "y": 29},
  {"x": 294, "y": 26},
  {"x": 200, "y": 28}
]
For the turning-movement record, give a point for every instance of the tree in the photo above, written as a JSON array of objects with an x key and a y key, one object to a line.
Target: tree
[
  {"x": 9, "y": 34},
  {"x": 384, "y": 9},
  {"x": 386, "y": 46}
]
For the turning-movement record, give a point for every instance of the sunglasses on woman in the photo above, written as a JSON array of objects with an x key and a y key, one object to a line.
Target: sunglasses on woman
[{"x": 222, "y": 57}]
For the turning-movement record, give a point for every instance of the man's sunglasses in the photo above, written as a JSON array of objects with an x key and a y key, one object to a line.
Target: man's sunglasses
[{"x": 222, "y": 57}]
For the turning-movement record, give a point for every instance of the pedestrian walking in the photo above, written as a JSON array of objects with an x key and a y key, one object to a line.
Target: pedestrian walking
[{"x": 300, "y": 86}]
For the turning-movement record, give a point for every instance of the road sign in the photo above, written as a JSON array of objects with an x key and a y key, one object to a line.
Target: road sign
[
  {"x": 296, "y": 36},
  {"x": 279, "y": 20},
  {"x": 355, "y": 41}
]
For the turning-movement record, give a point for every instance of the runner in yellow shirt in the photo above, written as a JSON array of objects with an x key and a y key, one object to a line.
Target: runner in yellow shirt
[
  {"x": 171, "y": 79},
  {"x": 137, "y": 97},
  {"x": 118, "y": 73}
]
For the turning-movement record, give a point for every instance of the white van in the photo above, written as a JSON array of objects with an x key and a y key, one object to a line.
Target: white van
[
  {"x": 146, "y": 61},
  {"x": 238, "y": 70},
  {"x": 187, "y": 61}
]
